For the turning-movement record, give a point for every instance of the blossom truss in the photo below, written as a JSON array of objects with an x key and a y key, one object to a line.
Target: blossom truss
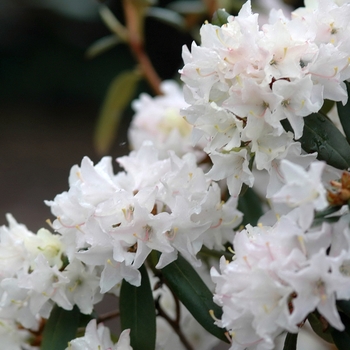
[
  {"x": 243, "y": 80},
  {"x": 279, "y": 275},
  {"x": 158, "y": 119},
  {"x": 34, "y": 277},
  {"x": 111, "y": 223},
  {"x": 99, "y": 337}
]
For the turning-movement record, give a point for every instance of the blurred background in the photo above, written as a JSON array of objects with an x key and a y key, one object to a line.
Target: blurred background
[{"x": 51, "y": 94}]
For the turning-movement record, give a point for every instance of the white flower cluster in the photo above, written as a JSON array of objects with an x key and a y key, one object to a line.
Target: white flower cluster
[
  {"x": 33, "y": 279},
  {"x": 99, "y": 337},
  {"x": 113, "y": 222},
  {"x": 158, "y": 119},
  {"x": 242, "y": 81},
  {"x": 281, "y": 273}
]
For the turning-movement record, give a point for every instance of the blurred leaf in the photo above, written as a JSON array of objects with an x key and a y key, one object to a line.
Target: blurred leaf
[
  {"x": 322, "y": 136},
  {"x": 188, "y": 7},
  {"x": 319, "y": 328},
  {"x": 344, "y": 305},
  {"x": 102, "y": 45},
  {"x": 251, "y": 206},
  {"x": 167, "y": 16},
  {"x": 327, "y": 106},
  {"x": 220, "y": 17},
  {"x": 119, "y": 95},
  {"x": 187, "y": 285},
  {"x": 113, "y": 24},
  {"x": 61, "y": 327},
  {"x": 137, "y": 312},
  {"x": 290, "y": 343},
  {"x": 342, "y": 339},
  {"x": 344, "y": 113}
]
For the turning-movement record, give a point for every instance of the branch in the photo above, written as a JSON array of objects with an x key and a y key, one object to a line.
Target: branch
[
  {"x": 174, "y": 324},
  {"x": 135, "y": 40}
]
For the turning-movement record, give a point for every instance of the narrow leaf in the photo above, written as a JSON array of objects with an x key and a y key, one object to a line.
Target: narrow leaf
[
  {"x": 290, "y": 343},
  {"x": 344, "y": 114},
  {"x": 322, "y": 136},
  {"x": 137, "y": 312},
  {"x": 186, "y": 7},
  {"x": 342, "y": 339},
  {"x": 102, "y": 45},
  {"x": 220, "y": 17},
  {"x": 119, "y": 95},
  {"x": 61, "y": 327},
  {"x": 194, "y": 294},
  {"x": 344, "y": 305},
  {"x": 168, "y": 17},
  {"x": 319, "y": 328},
  {"x": 251, "y": 206}
]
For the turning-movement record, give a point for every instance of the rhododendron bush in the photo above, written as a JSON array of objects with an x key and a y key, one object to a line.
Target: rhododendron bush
[{"x": 229, "y": 219}]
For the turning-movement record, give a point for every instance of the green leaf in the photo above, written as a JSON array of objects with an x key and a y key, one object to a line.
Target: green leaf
[
  {"x": 119, "y": 95},
  {"x": 290, "y": 343},
  {"x": 344, "y": 305},
  {"x": 251, "y": 206},
  {"x": 322, "y": 136},
  {"x": 186, "y": 284},
  {"x": 186, "y": 7},
  {"x": 327, "y": 106},
  {"x": 60, "y": 328},
  {"x": 102, "y": 45},
  {"x": 344, "y": 113},
  {"x": 137, "y": 312},
  {"x": 168, "y": 17},
  {"x": 342, "y": 339},
  {"x": 319, "y": 328},
  {"x": 220, "y": 17}
]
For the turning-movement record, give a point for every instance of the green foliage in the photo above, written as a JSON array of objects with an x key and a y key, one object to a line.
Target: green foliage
[
  {"x": 167, "y": 16},
  {"x": 344, "y": 114},
  {"x": 220, "y": 17},
  {"x": 251, "y": 206},
  {"x": 290, "y": 343},
  {"x": 60, "y": 328},
  {"x": 322, "y": 136},
  {"x": 119, "y": 95},
  {"x": 137, "y": 312},
  {"x": 342, "y": 339},
  {"x": 187, "y": 285},
  {"x": 319, "y": 327}
]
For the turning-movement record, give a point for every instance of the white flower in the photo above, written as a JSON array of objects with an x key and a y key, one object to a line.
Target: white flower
[
  {"x": 302, "y": 187},
  {"x": 158, "y": 119},
  {"x": 98, "y": 337}
]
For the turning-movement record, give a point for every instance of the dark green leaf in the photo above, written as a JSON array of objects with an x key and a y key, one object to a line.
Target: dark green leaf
[
  {"x": 194, "y": 294},
  {"x": 137, "y": 312},
  {"x": 322, "y": 136},
  {"x": 327, "y": 211},
  {"x": 319, "y": 328},
  {"x": 290, "y": 343},
  {"x": 344, "y": 305},
  {"x": 119, "y": 95},
  {"x": 251, "y": 206},
  {"x": 342, "y": 339},
  {"x": 61, "y": 327},
  {"x": 168, "y": 17},
  {"x": 344, "y": 114},
  {"x": 327, "y": 106},
  {"x": 186, "y": 7},
  {"x": 220, "y": 17},
  {"x": 102, "y": 45}
]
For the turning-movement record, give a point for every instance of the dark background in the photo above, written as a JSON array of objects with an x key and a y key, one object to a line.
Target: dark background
[{"x": 50, "y": 95}]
